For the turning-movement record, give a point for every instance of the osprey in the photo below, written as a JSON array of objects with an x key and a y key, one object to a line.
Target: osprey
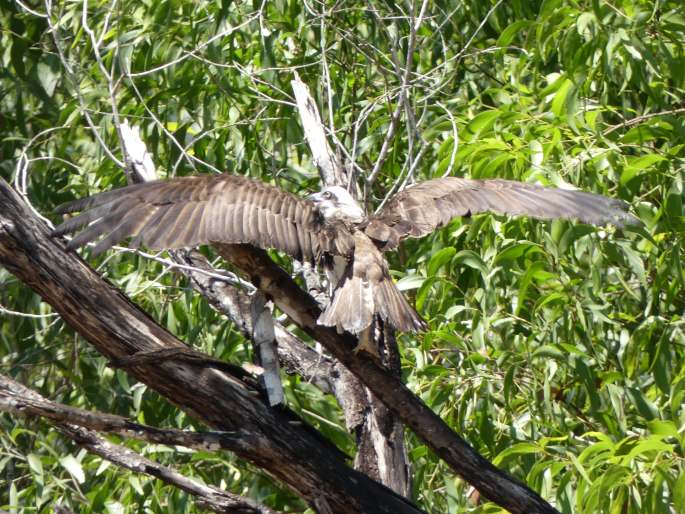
[{"x": 326, "y": 227}]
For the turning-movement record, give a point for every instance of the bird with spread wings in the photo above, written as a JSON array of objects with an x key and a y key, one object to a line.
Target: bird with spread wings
[{"x": 328, "y": 228}]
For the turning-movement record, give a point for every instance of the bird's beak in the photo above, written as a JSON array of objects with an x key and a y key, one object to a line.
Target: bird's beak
[{"x": 314, "y": 197}]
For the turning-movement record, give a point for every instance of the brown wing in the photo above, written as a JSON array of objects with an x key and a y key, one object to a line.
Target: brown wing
[
  {"x": 190, "y": 211},
  {"x": 420, "y": 209}
]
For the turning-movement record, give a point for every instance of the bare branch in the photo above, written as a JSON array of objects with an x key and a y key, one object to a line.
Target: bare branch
[
  {"x": 71, "y": 77},
  {"x": 206, "y": 496},
  {"x": 81, "y": 425},
  {"x": 639, "y": 119},
  {"x": 194, "y": 52},
  {"x": 404, "y": 87},
  {"x": 18, "y": 399},
  {"x": 330, "y": 169}
]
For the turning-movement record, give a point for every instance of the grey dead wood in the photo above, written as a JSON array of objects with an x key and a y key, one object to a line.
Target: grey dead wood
[{"x": 379, "y": 434}]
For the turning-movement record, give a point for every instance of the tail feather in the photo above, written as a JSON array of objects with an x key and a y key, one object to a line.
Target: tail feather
[
  {"x": 351, "y": 307},
  {"x": 393, "y": 307},
  {"x": 357, "y": 300}
]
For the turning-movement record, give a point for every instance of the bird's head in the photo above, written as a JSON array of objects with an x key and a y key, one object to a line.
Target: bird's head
[{"x": 335, "y": 203}]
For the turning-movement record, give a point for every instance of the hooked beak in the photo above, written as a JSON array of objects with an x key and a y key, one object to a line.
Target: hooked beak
[{"x": 314, "y": 197}]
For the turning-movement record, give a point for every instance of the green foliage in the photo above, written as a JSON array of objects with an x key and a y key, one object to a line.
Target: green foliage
[{"x": 555, "y": 348}]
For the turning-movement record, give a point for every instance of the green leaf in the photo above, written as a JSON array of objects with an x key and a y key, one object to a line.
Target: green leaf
[
  {"x": 653, "y": 444},
  {"x": 483, "y": 122},
  {"x": 508, "y": 34},
  {"x": 135, "y": 483},
  {"x": 48, "y": 74},
  {"x": 516, "y": 449},
  {"x": 36, "y": 466},
  {"x": 560, "y": 102},
  {"x": 517, "y": 250},
  {"x": 114, "y": 507},
  {"x": 679, "y": 492},
  {"x": 410, "y": 282},
  {"x": 440, "y": 259},
  {"x": 638, "y": 165},
  {"x": 472, "y": 260},
  {"x": 646, "y": 408},
  {"x": 74, "y": 468}
]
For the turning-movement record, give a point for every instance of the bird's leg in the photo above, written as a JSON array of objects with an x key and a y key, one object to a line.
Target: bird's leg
[{"x": 367, "y": 342}]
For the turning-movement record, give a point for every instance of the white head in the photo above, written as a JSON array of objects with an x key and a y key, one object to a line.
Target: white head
[{"x": 335, "y": 203}]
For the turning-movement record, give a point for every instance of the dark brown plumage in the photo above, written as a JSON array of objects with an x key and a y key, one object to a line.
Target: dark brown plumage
[
  {"x": 190, "y": 211},
  {"x": 426, "y": 206}
]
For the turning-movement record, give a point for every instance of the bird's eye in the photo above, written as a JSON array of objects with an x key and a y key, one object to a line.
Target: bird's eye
[{"x": 327, "y": 195}]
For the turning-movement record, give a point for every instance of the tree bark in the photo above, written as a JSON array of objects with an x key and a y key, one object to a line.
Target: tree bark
[{"x": 282, "y": 445}]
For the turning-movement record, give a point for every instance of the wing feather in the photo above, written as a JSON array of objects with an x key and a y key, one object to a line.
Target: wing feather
[
  {"x": 420, "y": 209},
  {"x": 191, "y": 211}
]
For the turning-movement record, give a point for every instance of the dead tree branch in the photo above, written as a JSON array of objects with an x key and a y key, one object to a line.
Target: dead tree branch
[
  {"x": 280, "y": 443},
  {"x": 81, "y": 426}
]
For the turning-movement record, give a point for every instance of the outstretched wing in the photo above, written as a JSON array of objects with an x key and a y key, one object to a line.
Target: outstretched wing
[
  {"x": 190, "y": 211},
  {"x": 420, "y": 209}
]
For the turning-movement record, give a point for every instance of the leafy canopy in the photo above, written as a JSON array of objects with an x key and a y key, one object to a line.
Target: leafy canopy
[{"x": 555, "y": 348}]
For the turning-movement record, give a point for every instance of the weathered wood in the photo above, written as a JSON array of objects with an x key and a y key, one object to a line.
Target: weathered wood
[
  {"x": 492, "y": 482},
  {"x": 282, "y": 445},
  {"x": 331, "y": 171},
  {"x": 384, "y": 457},
  {"x": 264, "y": 341}
]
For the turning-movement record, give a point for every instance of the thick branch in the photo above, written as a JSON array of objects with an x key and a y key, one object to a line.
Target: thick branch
[{"x": 282, "y": 444}]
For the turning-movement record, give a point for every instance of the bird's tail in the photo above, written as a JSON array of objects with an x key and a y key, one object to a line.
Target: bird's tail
[
  {"x": 351, "y": 307},
  {"x": 394, "y": 308},
  {"x": 357, "y": 300}
]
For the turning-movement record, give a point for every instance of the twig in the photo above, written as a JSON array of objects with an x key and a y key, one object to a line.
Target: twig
[
  {"x": 639, "y": 119},
  {"x": 455, "y": 138},
  {"x": 71, "y": 76},
  {"x": 16, "y": 398},
  {"x": 111, "y": 88},
  {"x": 9, "y": 312},
  {"x": 210, "y": 497},
  {"x": 81, "y": 426}
]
